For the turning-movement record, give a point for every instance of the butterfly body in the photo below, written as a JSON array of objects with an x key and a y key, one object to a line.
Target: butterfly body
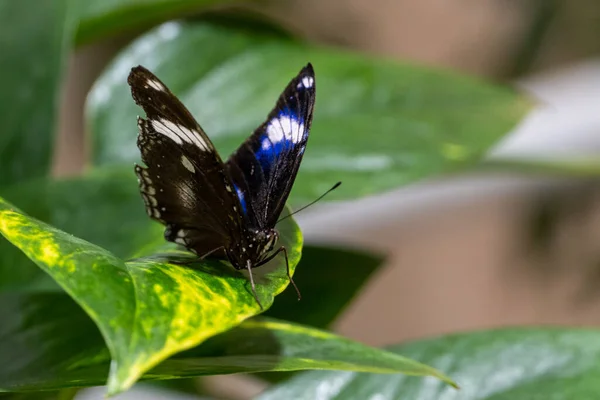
[{"x": 219, "y": 209}]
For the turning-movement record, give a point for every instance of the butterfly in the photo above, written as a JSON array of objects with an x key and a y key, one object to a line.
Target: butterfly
[{"x": 226, "y": 210}]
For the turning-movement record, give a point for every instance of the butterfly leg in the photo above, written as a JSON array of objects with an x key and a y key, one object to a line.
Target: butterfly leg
[
  {"x": 249, "y": 267},
  {"x": 287, "y": 267},
  {"x": 211, "y": 252},
  {"x": 199, "y": 258}
]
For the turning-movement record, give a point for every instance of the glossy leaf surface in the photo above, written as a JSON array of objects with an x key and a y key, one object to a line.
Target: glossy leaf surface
[
  {"x": 511, "y": 364},
  {"x": 377, "y": 124}
]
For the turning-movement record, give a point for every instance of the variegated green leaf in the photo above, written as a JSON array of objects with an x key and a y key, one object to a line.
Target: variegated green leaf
[
  {"x": 377, "y": 124},
  {"x": 35, "y": 330},
  {"x": 147, "y": 309}
]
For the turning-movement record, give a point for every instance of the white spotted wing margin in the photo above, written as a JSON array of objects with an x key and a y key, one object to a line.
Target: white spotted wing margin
[
  {"x": 184, "y": 184},
  {"x": 264, "y": 167}
]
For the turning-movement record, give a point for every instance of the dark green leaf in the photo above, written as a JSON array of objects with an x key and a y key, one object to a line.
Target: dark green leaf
[
  {"x": 328, "y": 279},
  {"x": 147, "y": 309},
  {"x": 34, "y": 41},
  {"x": 511, "y": 364},
  {"x": 49, "y": 339},
  {"x": 377, "y": 125},
  {"x": 64, "y": 394},
  {"x": 37, "y": 331},
  {"x": 108, "y": 17}
]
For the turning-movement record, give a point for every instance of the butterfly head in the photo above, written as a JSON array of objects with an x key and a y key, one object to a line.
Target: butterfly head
[
  {"x": 255, "y": 249},
  {"x": 266, "y": 242}
]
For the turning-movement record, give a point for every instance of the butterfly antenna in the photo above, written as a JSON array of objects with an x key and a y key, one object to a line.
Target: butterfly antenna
[{"x": 312, "y": 202}]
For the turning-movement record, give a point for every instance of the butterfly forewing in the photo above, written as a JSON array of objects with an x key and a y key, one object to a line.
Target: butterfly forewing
[
  {"x": 184, "y": 184},
  {"x": 264, "y": 167}
]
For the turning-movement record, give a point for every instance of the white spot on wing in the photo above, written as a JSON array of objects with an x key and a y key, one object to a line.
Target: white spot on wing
[
  {"x": 274, "y": 131},
  {"x": 285, "y": 127},
  {"x": 308, "y": 81},
  {"x": 162, "y": 128},
  {"x": 187, "y": 164},
  {"x": 155, "y": 85},
  {"x": 180, "y": 133}
]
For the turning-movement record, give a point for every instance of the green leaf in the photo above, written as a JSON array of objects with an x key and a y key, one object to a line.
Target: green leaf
[
  {"x": 328, "y": 278},
  {"x": 147, "y": 309},
  {"x": 37, "y": 331},
  {"x": 378, "y": 124},
  {"x": 508, "y": 364},
  {"x": 35, "y": 38},
  {"x": 109, "y": 17}
]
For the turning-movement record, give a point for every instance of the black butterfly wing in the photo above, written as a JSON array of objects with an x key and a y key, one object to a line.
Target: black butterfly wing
[
  {"x": 264, "y": 167},
  {"x": 184, "y": 184}
]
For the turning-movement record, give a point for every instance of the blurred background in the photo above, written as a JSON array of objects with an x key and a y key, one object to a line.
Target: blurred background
[{"x": 464, "y": 253}]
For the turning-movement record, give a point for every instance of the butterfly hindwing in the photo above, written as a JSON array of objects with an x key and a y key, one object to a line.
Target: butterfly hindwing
[
  {"x": 184, "y": 184},
  {"x": 264, "y": 167}
]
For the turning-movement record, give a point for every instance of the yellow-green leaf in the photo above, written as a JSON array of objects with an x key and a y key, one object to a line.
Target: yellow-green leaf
[{"x": 147, "y": 309}]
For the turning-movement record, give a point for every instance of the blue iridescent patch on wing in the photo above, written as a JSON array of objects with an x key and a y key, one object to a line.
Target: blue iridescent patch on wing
[
  {"x": 281, "y": 134},
  {"x": 240, "y": 196}
]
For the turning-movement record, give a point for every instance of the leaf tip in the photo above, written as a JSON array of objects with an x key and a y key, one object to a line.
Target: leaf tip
[
  {"x": 448, "y": 381},
  {"x": 121, "y": 379}
]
